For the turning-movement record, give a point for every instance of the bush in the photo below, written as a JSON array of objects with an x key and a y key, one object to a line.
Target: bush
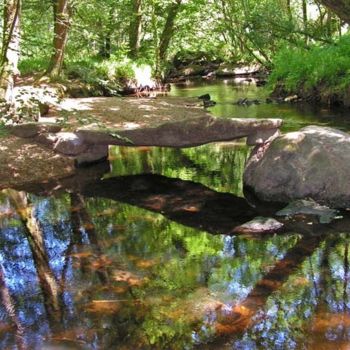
[
  {"x": 33, "y": 65},
  {"x": 105, "y": 76}
]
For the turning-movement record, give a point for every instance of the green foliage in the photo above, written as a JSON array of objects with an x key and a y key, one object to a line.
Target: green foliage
[
  {"x": 33, "y": 64},
  {"x": 325, "y": 69},
  {"x": 106, "y": 77},
  {"x": 230, "y": 30}
]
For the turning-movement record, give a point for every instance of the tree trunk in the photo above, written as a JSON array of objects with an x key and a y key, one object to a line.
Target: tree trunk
[
  {"x": 289, "y": 10},
  {"x": 49, "y": 285},
  {"x": 168, "y": 30},
  {"x": 10, "y": 49},
  {"x": 329, "y": 26},
  {"x": 305, "y": 18},
  {"x": 135, "y": 29},
  {"x": 10, "y": 308},
  {"x": 61, "y": 13},
  {"x": 340, "y": 7},
  {"x": 105, "y": 46},
  {"x": 106, "y": 37}
]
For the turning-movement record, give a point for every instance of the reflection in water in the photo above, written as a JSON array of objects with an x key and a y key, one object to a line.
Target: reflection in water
[
  {"x": 131, "y": 261},
  {"x": 218, "y": 166}
]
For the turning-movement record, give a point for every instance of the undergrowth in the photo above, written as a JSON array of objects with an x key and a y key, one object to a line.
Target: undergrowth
[
  {"x": 101, "y": 76},
  {"x": 320, "y": 69}
]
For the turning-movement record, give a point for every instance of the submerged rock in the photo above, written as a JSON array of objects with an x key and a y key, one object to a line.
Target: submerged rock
[
  {"x": 259, "y": 225},
  {"x": 309, "y": 207},
  {"x": 311, "y": 163}
]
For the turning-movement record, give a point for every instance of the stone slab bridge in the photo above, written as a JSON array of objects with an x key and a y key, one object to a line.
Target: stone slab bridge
[{"x": 84, "y": 128}]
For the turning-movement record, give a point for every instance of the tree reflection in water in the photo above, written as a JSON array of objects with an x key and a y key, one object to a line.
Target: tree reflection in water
[{"x": 89, "y": 272}]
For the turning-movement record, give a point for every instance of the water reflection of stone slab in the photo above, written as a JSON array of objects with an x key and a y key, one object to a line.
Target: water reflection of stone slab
[{"x": 187, "y": 202}]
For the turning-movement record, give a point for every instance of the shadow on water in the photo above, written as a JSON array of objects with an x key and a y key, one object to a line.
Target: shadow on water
[{"x": 140, "y": 256}]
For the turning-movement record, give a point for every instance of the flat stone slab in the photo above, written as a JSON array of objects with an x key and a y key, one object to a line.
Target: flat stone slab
[
  {"x": 162, "y": 121},
  {"x": 186, "y": 132}
]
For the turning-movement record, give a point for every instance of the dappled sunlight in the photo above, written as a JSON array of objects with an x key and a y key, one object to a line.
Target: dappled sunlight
[{"x": 119, "y": 113}]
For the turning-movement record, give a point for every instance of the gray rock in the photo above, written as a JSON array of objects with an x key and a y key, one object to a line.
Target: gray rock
[
  {"x": 185, "y": 133},
  {"x": 312, "y": 163},
  {"x": 30, "y": 130},
  {"x": 93, "y": 154},
  {"x": 262, "y": 136},
  {"x": 70, "y": 144},
  {"x": 47, "y": 139},
  {"x": 259, "y": 225},
  {"x": 25, "y": 130},
  {"x": 309, "y": 207}
]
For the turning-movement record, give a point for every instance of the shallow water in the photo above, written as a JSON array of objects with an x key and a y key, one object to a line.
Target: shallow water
[
  {"x": 140, "y": 256},
  {"x": 227, "y": 92}
]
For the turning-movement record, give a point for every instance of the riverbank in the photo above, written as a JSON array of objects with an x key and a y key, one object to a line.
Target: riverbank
[{"x": 319, "y": 74}]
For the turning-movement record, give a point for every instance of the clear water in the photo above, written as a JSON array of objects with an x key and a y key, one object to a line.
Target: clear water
[
  {"x": 227, "y": 92},
  {"x": 140, "y": 256}
]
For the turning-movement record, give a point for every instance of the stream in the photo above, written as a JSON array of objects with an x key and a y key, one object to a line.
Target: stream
[{"x": 140, "y": 255}]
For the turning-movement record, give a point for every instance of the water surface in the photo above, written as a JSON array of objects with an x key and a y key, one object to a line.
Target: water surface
[
  {"x": 228, "y": 92},
  {"x": 141, "y": 256}
]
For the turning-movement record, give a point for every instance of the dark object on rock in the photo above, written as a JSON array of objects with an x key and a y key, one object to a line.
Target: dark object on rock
[
  {"x": 312, "y": 163},
  {"x": 259, "y": 225},
  {"x": 309, "y": 207},
  {"x": 205, "y": 97},
  {"x": 208, "y": 103}
]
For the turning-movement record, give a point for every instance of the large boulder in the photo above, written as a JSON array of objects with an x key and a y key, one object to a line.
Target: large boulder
[{"x": 311, "y": 163}]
